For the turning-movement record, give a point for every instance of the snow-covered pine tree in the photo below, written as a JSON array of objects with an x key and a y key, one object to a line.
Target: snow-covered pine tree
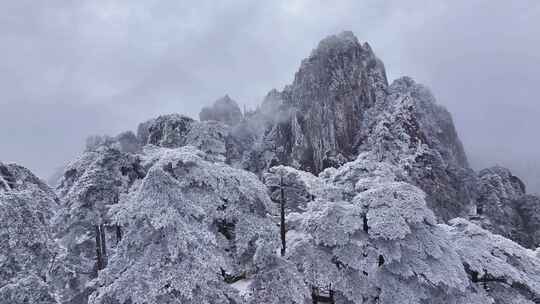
[
  {"x": 191, "y": 228},
  {"x": 381, "y": 245},
  {"x": 27, "y": 249},
  {"x": 90, "y": 185},
  {"x": 507, "y": 272},
  {"x": 276, "y": 281}
]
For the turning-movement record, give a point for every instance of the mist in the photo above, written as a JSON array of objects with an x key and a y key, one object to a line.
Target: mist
[{"x": 71, "y": 69}]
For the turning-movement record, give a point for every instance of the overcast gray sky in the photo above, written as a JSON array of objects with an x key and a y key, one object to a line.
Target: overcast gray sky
[{"x": 69, "y": 69}]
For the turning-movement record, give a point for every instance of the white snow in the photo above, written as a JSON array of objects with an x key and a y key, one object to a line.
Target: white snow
[{"x": 242, "y": 287}]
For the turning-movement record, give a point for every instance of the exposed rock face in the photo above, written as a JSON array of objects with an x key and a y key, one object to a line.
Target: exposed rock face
[
  {"x": 340, "y": 104},
  {"x": 504, "y": 207},
  {"x": 327, "y": 104},
  {"x": 497, "y": 191},
  {"x": 166, "y": 131},
  {"x": 528, "y": 207},
  {"x": 224, "y": 110}
]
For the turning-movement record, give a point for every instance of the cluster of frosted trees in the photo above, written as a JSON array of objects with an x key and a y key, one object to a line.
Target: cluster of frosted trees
[
  {"x": 368, "y": 237},
  {"x": 27, "y": 249},
  {"x": 176, "y": 226}
]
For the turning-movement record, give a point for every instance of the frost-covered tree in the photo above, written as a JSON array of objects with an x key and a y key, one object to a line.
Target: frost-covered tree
[
  {"x": 174, "y": 131},
  {"x": 416, "y": 134},
  {"x": 209, "y": 137},
  {"x": 192, "y": 226},
  {"x": 90, "y": 185},
  {"x": 379, "y": 244},
  {"x": 27, "y": 250},
  {"x": 167, "y": 254},
  {"x": 507, "y": 272},
  {"x": 390, "y": 262},
  {"x": 234, "y": 200},
  {"x": 276, "y": 281},
  {"x": 298, "y": 187}
]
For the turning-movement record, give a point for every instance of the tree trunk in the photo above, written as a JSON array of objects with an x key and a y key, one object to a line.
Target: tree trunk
[
  {"x": 99, "y": 257},
  {"x": 365, "y": 224},
  {"x": 283, "y": 231},
  {"x": 118, "y": 233},
  {"x": 101, "y": 247}
]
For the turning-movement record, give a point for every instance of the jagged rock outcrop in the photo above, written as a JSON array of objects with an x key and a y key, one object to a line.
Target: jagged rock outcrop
[
  {"x": 528, "y": 207},
  {"x": 166, "y": 130},
  {"x": 340, "y": 104},
  {"x": 504, "y": 207},
  {"x": 326, "y": 107},
  {"x": 499, "y": 183},
  {"x": 224, "y": 110},
  {"x": 498, "y": 188}
]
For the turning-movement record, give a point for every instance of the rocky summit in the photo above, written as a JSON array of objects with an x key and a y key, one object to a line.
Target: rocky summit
[
  {"x": 339, "y": 188},
  {"x": 224, "y": 110}
]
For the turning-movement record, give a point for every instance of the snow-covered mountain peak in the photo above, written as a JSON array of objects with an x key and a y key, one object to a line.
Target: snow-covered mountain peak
[{"x": 339, "y": 188}]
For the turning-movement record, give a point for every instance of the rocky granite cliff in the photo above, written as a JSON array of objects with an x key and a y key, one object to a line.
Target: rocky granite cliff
[
  {"x": 339, "y": 105},
  {"x": 329, "y": 102},
  {"x": 505, "y": 208},
  {"x": 224, "y": 110}
]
